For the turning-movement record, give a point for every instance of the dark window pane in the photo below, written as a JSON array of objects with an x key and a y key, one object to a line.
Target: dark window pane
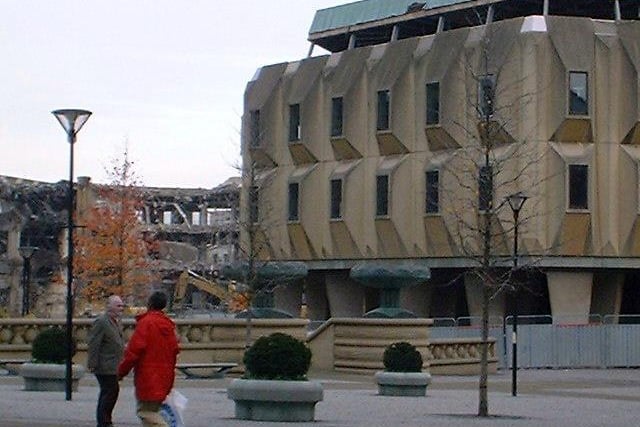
[
  {"x": 294, "y": 122},
  {"x": 432, "y": 202},
  {"x": 254, "y": 128},
  {"x": 578, "y": 94},
  {"x": 336, "y": 117},
  {"x": 382, "y": 195},
  {"x": 486, "y": 96},
  {"x": 336, "y": 198},
  {"x": 253, "y": 204},
  {"x": 485, "y": 186},
  {"x": 433, "y": 103},
  {"x": 293, "y": 201},
  {"x": 578, "y": 186},
  {"x": 383, "y": 110}
]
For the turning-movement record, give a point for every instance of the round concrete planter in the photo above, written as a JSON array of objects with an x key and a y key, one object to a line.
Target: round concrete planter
[
  {"x": 48, "y": 376},
  {"x": 272, "y": 400},
  {"x": 402, "y": 383}
]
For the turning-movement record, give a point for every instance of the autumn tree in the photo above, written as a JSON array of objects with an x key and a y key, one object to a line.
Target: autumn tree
[{"x": 113, "y": 252}]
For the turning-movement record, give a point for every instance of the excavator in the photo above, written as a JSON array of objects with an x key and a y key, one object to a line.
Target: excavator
[{"x": 229, "y": 296}]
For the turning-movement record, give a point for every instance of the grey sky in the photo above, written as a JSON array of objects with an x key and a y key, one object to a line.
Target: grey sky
[{"x": 166, "y": 77}]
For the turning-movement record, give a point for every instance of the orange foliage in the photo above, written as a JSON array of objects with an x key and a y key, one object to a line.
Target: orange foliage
[{"x": 113, "y": 254}]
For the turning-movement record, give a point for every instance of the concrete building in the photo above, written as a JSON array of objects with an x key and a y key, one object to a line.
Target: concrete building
[{"x": 358, "y": 153}]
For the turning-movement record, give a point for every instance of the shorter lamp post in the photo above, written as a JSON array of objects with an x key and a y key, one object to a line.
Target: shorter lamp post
[
  {"x": 26, "y": 252},
  {"x": 516, "y": 201}
]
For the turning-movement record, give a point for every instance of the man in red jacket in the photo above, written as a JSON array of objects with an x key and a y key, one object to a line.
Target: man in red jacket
[{"x": 151, "y": 352}]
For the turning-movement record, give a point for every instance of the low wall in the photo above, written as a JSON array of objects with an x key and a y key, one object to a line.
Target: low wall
[{"x": 342, "y": 344}]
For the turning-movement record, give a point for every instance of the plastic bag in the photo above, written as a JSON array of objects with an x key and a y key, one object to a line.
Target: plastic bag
[{"x": 172, "y": 409}]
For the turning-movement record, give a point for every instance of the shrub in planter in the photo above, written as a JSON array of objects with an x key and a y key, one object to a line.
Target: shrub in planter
[
  {"x": 47, "y": 370},
  {"x": 277, "y": 357},
  {"x": 402, "y": 357},
  {"x": 50, "y": 346}
]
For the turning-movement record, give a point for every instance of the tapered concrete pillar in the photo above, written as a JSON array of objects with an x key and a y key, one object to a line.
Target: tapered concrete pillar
[
  {"x": 473, "y": 288},
  {"x": 417, "y": 299},
  {"x": 570, "y": 296},
  {"x": 346, "y": 297},
  {"x": 315, "y": 293},
  {"x": 607, "y": 293},
  {"x": 288, "y": 298}
]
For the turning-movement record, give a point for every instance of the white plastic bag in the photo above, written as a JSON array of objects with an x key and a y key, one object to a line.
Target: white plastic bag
[{"x": 173, "y": 407}]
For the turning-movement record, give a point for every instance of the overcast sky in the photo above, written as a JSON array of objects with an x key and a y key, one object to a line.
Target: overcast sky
[{"x": 164, "y": 77}]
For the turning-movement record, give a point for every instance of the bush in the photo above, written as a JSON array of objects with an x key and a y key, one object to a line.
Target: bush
[
  {"x": 49, "y": 346},
  {"x": 277, "y": 357},
  {"x": 402, "y": 357}
]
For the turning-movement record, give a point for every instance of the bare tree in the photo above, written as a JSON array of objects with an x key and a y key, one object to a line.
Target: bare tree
[{"x": 496, "y": 157}]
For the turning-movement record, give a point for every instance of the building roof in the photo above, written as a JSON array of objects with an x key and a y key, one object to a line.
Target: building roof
[{"x": 370, "y": 22}]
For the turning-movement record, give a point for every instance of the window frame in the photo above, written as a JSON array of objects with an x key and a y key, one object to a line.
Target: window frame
[
  {"x": 254, "y": 129},
  {"x": 383, "y": 195},
  {"x": 482, "y": 98},
  {"x": 335, "y": 199},
  {"x": 254, "y": 204},
  {"x": 570, "y": 110},
  {"x": 432, "y": 204},
  {"x": 571, "y": 188},
  {"x": 293, "y": 205},
  {"x": 295, "y": 126},
  {"x": 485, "y": 201},
  {"x": 429, "y": 112},
  {"x": 337, "y": 117},
  {"x": 383, "y": 121}
]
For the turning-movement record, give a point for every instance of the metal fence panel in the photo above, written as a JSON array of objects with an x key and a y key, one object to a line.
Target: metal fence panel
[{"x": 621, "y": 346}]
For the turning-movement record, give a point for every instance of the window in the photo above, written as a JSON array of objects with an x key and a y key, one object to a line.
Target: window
[
  {"x": 336, "y": 199},
  {"x": 578, "y": 94},
  {"x": 382, "y": 122},
  {"x": 195, "y": 218},
  {"x": 433, "y": 103},
  {"x": 254, "y": 198},
  {"x": 486, "y": 95},
  {"x": 578, "y": 186},
  {"x": 293, "y": 201},
  {"x": 294, "y": 122},
  {"x": 167, "y": 217},
  {"x": 432, "y": 192},
  {"x": 254, "y": 128},
  {"x": 336, "y": 117},
  {"x": 485, "y": 188},
  {"x": 382, "y": 195}
]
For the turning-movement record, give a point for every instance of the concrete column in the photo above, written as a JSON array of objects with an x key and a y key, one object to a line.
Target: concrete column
[
  {"x": 288, "y": 298},
  {"x": 473, "y": 288},
  {"x": 417, "y": 299},
  {"x": 316, "y": 297},
  {"x": 346, "y": 298},
  {"x": 607, "y": 293},
  {"x": 570, "y": 296}
]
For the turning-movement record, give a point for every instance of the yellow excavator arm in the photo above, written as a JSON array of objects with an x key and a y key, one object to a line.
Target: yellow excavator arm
[{"x": 189, "y": 277}]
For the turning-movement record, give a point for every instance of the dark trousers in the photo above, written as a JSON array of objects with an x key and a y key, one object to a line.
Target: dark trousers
[{"x": 109, "y": 390}]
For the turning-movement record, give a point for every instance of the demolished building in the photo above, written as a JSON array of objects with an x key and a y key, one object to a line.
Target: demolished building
[{"x": 196, "y": 230}]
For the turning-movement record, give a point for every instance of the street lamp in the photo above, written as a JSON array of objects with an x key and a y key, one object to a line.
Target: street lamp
[
  {"x": 26, "y": 252},
  {"x": 516, "y": 201},
  {"x": 71, "y": 121}
]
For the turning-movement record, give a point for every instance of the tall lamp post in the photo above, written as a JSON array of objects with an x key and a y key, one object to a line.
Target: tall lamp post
[
  {"x": 26, "y": 252},
  {"x": 516, "y": 201},
  {"x": 71, "y": 121}
]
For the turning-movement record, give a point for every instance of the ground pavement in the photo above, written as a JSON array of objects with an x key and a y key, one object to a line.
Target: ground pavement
[{"x": 546, "y": 398}]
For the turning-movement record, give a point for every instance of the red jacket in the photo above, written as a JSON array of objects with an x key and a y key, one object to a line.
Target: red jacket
[{"x": 151, "y": 352}]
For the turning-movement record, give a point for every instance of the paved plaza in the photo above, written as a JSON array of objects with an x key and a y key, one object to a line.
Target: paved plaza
[{"x": 546, "y": 398}]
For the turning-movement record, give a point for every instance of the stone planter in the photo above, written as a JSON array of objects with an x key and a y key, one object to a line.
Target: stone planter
[
  {"x": 272, "y": 400},
  {"x": 48, "y": 376},
  {"x": 402, "y": 383}
]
